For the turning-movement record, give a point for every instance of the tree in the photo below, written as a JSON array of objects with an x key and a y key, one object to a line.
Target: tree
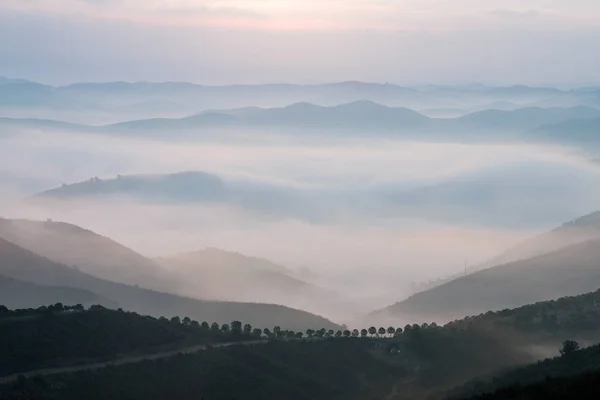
[
  {"x": 225, "y": 328},
  {"x": 407, "y": 328},
  {"x": 215, "y": 327},
  {"x": 186, "y": 321},
  {"x": 372, "y": 331},
  {"x": 398, "y": 331},
  {"x": 381, "y": 331},
  {"x": 364, "y": 332},
  {"x": 391, "y": 330},
  {"x": 277, "y": 331},
  {"x": 195, "y": 325},
  {"x": 338, "y": 334},
  {"x": 330, "y": 332},
  {"x": 310, "y": 332},
  {"x": 355, "y": 333},
  {"x": 290, "y": 334},
  {"x": 425, "y": 325},
  {"x": 236, "y": 327},
  {"x": 257, "y": 332},
  {"x": 299, "y": 335},
  {"x": 321, "y": 332},
  {"x": 204, "y": 325},
  {"x": 347, "y": 333},
  {"x": 267, "y": 332},
  {"x": 247, "y": 329},
  {"x": 568, "y": 347},
  {"x": 176, "y": 320}
]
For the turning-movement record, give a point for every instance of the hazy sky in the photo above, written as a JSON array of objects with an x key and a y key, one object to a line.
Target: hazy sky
[{"x": 251, "y": 41}]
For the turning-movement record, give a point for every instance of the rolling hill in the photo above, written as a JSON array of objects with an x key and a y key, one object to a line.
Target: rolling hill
[
  {"x": 91, "y": 253},
  {"x": 578, "y": 230},
  {"x": 184, "y": 186},
  {"x": 572, "y": 270},
  {"x": 229, "y": 276},
  {"x": 24, "y": 265}
]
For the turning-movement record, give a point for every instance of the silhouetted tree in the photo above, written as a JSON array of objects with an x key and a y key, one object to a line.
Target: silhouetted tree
[
  {"x": 277, "y": 331},
  {"x": 299, "y": 335},
  {"x": 407, "y": 328},
  {"x": 195, "y": 325},
  {"x": 364, "y": 332},
  {"x": 391, "y": 330},
  {"x": 236, "y": 328},
  {"x": 372, "y": 331},
  {"x": 225, "y": 328},
  {"x": 398, "y": 331},
  {"x": 204, "y": 325},
  {"x": 267, "y": 332},
  {"x": 215, "y": 327},
  {"x": 338, "y": 334},
  {"x": 186, "y": 321},
  {"x": 381, "y": 331},
  {"x": 568, "y": 347},
  {"x": 347, "y": 333},
  {"x": 355, "y": 333},
  {"x": 176, "y": 320},
  {"x": 257, "y": 332},
  {"x": 330, "y": 332},
  {"x": 425, "y": 325},
  {"x": 247, "y": 329}
]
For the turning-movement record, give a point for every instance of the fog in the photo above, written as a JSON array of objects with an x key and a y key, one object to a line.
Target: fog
[{"x": 367, "y": 217}]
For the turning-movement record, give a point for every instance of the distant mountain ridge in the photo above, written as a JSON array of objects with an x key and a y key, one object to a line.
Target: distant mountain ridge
[{"x": 358, "y": 116}]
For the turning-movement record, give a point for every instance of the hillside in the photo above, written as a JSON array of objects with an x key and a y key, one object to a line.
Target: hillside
[
  {"x": 569, "y": 271},
  {"x": 62, "y": 336},
  {"x": 573, "y": 365},
  {"x": 224, "y": 275},
  {"x": 582, "y": 130},
  {"x": 579, "y": 230},
  {"x": 91, "y": 253},
  {"x": 19, "y": 294},
  {"x": 184, "y": 186},
  {"x": 24, "y": 265},
  {"x": 344, "y": 369}
]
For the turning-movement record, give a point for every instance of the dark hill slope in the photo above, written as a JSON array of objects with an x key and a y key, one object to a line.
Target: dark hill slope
[
  {"x": 20, "y": 294},
  {"x": 570, "y": 271}
]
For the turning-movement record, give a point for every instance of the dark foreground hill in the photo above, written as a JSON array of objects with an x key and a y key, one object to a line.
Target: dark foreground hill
[
  {"x": 342, "y": 369},
  {"x": 24, "y": 265},
  {"x": 58, "y": 336},
  {"x": 418, "y": 362},
  {"x": 571, "y": 366}
]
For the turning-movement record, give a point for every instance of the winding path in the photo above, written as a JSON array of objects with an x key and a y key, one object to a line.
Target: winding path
[{"x": 121, "y": 361}]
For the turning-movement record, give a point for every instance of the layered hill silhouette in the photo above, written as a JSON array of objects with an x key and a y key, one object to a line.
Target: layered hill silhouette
[
  {"x": 225, "y": 275},
  {"x": 563, "y": 262},
  {"x": 184, "y": 186},
  {"x": 20, "y": 294},
  {"x": 24, "y": 265},
  {"x": 91, "y": 253},
  {"x": 530, "y": 123}
]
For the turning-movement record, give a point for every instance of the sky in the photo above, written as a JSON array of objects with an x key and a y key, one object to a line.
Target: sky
[{"x": 301, "y": 41}]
